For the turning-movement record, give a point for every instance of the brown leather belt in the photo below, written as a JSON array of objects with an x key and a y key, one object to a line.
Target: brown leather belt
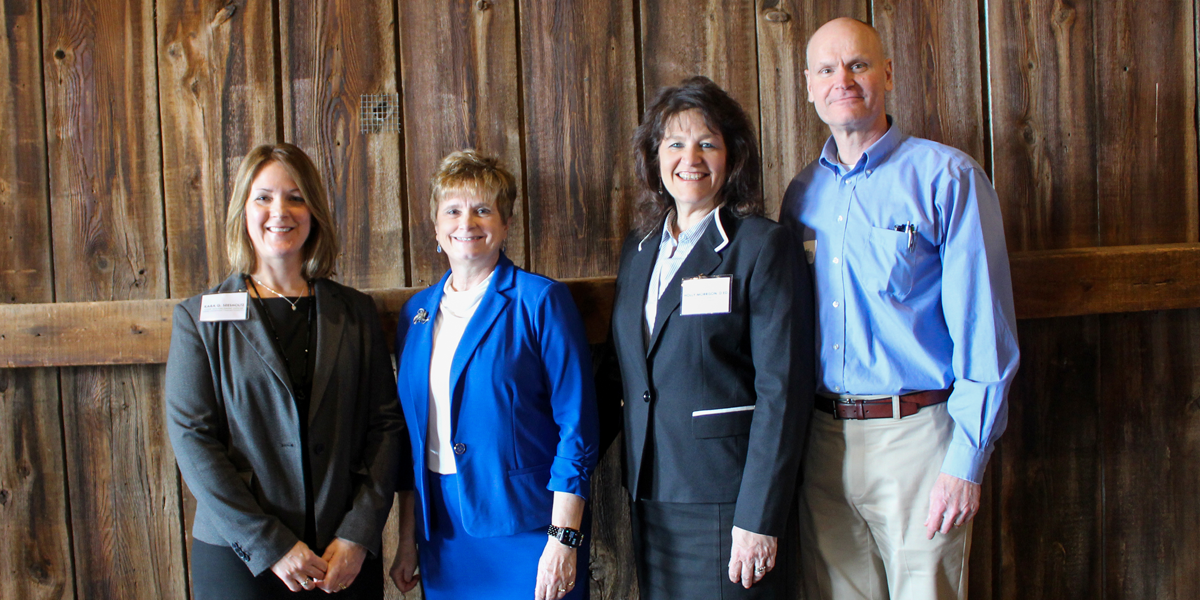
[{"x": 881, "y": 408}]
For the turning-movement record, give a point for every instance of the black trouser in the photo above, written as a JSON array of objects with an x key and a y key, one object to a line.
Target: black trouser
[{"x": 218, "y": 574}]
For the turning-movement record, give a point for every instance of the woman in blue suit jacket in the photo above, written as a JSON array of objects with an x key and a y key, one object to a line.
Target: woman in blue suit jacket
[{"x": 495, "y": 378}]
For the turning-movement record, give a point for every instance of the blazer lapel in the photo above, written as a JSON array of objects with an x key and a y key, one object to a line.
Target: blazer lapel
[
  {"x": 331, "y": 324},
  {"x": 254, "y": 330},
  {"x": 494, "y": 300},
  {"x": 422, "y": 353},
  {"x": 633, "y": 293},
  {"x": 702, "y": 260}
]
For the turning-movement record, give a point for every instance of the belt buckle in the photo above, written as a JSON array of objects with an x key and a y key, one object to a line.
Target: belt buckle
[{"x": 858, "y": 412}]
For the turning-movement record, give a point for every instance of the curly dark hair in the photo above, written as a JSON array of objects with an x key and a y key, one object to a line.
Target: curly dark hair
[{"x": 742, "y": 190}]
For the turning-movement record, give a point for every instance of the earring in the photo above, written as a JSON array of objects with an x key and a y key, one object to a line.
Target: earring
[
  {"x": 439, "y": 249},
  {"x": 662, "y": 189}
]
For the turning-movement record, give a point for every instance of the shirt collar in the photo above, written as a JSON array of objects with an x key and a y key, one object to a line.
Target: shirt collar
[{"x": 872, "y": 157}]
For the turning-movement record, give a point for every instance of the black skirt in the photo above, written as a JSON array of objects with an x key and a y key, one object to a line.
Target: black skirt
[{"x": 682, "y": 551}]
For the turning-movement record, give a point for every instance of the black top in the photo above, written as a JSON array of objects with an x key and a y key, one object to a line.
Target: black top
[{"x": 292, "y": 328}]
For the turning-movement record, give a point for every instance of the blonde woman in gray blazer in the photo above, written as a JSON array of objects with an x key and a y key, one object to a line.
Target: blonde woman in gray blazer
[{"x": 281, "y": 402}]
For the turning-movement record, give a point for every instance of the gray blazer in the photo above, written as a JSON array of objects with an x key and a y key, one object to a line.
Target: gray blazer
[{"x": 235, "y": 430}]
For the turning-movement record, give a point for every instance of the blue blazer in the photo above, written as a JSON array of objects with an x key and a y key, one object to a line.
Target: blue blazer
[{"x": 523, "y": 408}]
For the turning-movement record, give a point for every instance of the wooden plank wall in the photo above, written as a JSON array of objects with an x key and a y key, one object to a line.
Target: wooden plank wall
[{"x": 125, "y": 119}]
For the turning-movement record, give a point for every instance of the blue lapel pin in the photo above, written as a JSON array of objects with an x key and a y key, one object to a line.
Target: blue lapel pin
[{"x": 422, "y": 317}]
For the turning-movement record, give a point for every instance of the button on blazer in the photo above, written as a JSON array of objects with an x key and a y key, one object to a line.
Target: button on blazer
[
  {"x": 236, "y": 433},
  {"x": 716, "y": 406},
  {"x": 523, "y": 405}
]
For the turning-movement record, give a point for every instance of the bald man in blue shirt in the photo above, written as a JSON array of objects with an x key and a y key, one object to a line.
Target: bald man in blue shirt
[{"x": 916, "y": 342}]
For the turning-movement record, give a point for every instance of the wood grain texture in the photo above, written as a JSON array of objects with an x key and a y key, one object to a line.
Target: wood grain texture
[
  {"x": 461, "y": 90},
  {"x": 1048, "y": 468},
  {"x": 934, "y": 46},
  {"x": 792, "y": 134},
  {"x": 1044, "y": 122},
  {"x": 1149, "y": 400},
  {"x": 25, "y": 274},
  {"x": 105, "y": 165},
  {"x": 107, "y": 216},
  {"x": 332, "y": 53},
  {"x": 33, "y": 494},
  {"x": 217, "y": 100},
  {"x": 1060, "y": 283},
  {"x": 580, "y": 107},
  {"x": 1147, "y": 156},
  {"x": 714, "y": 38},
  {"x": 124, "y": 485}
]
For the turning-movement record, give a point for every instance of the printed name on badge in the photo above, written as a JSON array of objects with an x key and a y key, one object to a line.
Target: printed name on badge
[
  {"x": 225, "y": 307},
  {"x": 706, "y": 295}
]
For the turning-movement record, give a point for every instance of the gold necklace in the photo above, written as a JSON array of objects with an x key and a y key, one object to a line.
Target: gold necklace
[{"x": 285, "y": 298}]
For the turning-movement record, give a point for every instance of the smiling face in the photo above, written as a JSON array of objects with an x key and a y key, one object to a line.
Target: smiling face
[
  {"x": 691, "y": 161},
  {"x": 848, "y": 76},
  {"x": 470, "y": 230},
  {"x": 277, "y": 218}
]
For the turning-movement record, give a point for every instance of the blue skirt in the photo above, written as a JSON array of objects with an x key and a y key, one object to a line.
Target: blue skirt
[{"x": 456, "y": 565}]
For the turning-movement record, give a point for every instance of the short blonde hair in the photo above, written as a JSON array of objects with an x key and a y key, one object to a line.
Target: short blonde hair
[
  {"x": 321, "y": 247},
  {"x": 478, "y": 173}
]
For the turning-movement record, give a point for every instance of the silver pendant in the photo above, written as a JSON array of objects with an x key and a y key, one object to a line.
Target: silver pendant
[{"x": 422, "y": 317}]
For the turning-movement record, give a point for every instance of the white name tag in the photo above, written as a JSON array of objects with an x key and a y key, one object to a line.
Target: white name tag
[
  {"x": 706, "y": 295},
  {"x": 225, "y": 307}
]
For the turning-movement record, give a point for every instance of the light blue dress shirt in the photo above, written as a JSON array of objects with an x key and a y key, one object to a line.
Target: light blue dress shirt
[{"x": 912, "y": 283}]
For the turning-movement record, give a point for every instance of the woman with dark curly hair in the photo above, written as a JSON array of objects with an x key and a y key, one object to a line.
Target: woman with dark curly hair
[{"x": 712, "y": 332}]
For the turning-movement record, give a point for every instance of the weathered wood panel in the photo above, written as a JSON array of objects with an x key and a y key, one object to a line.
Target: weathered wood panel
[
  {"x": 714, "y": 38},
  {"x": 104, "y": 158},
  {"x": 1048, "y": 467},
  {"x": 792, "y": 134},
  {"x": 332, "y": 53},
  {"x": 580, "y": 109},
  {"x": 25, "y": 274},
  {"x": 217, "y": 101},
  {"x": 1149, "y": 400},
  {"x": 124, "y": 485},
  {"x": 1146, "y": 154},
  {"x": 459, "y": 63},
  {"x": 934, "y": 46},
  {"x": 1044, "y": 122},
  {"x": 1059, "y": 283},
  {"x": 33, "y": 494}
]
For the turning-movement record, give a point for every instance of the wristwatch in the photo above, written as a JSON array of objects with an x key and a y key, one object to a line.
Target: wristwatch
[{"x": 571, "y": 538}]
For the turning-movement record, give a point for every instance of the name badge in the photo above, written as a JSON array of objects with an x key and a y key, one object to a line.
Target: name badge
[
  {"x": 225, "y": 307},
  {"x": 706, "y": 295},
  {"x": 810, "y": 251}
]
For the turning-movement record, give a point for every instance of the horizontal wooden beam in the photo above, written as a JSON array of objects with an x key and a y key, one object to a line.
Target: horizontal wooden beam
[
  {"x": 1116, "y": 279},
  {"x": 1057, "y": 283}
]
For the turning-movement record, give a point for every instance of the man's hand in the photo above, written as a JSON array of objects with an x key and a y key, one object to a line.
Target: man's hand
[{"x": 953, "y": 502}]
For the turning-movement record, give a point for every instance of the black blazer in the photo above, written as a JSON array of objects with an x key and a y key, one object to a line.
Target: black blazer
[
  {"x": 236, "y": 432},
  {"x": 756, "y": 363}
]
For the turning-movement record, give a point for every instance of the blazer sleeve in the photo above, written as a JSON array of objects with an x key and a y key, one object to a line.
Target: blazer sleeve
[
  {"x": 566, "y": 359},
  {"x": 383, "y": 459},
  {"x": 196, "y": 424},
  {"x": 781, "y": 346}
]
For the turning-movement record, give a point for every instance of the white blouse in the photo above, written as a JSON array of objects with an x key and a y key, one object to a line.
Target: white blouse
[{"x": 454, "y": 313}]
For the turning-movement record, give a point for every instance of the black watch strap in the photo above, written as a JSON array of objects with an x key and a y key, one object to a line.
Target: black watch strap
[{"x": 572, "y": 538}]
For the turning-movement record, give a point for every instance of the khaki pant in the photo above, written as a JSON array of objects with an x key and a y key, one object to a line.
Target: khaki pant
[{"x": 863, "y": 508}]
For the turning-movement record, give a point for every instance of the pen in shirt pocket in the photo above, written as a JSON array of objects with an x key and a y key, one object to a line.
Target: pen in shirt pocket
[{"x": 911, "y": 229}]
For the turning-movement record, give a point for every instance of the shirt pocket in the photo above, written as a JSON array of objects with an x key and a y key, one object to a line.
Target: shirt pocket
[
  {"x": 891, "y": 263},
  {"x": 722, "y": 422}
]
